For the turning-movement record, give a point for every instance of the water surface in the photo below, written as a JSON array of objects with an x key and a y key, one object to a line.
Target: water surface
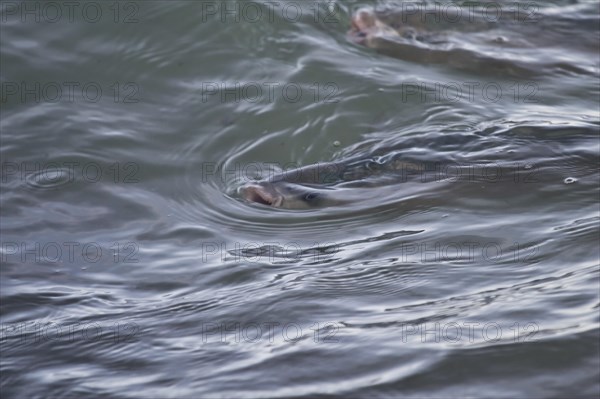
[{"x": 131, "y": 267}]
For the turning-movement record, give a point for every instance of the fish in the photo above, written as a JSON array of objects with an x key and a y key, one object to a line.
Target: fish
[
  {"x": 473, "y": 45},
  {"x": 328, "y": 183},
  {"x": 409, "y": 39}
]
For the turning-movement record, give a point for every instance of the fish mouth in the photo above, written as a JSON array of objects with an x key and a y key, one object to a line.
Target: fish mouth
[
  {"x": 363, "y": 20},
  {"x": 261, "y": 195},
  {"x": 365, "y": 25},
  {"x": 361, "y": 24}
]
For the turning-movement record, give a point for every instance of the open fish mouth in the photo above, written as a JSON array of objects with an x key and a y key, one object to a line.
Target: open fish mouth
[
  {"x": 361, "y": 24},
  {"x": 365, "y": 26},
  {"x": 281, "y": 194},
  {"x": 363, "y": 20},
  {"x": 261, "y": 195}
]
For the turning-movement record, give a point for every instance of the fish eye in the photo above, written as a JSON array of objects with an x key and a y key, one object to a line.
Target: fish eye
[{"x": 310, "y": 196}]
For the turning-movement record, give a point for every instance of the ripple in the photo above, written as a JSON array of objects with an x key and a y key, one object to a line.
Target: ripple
[
  {"x": 570, "y": 180},
  {"x": 50, "y": 178}
]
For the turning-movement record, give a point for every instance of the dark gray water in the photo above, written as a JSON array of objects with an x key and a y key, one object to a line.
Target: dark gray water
[{"x": 131, "y": 267}]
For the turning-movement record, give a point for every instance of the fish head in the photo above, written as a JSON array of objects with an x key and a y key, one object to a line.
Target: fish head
[
  {"x": 282, "y": 194},
  {"x": 366, "y": 26},
  {"x": 363, "y": 19}
]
